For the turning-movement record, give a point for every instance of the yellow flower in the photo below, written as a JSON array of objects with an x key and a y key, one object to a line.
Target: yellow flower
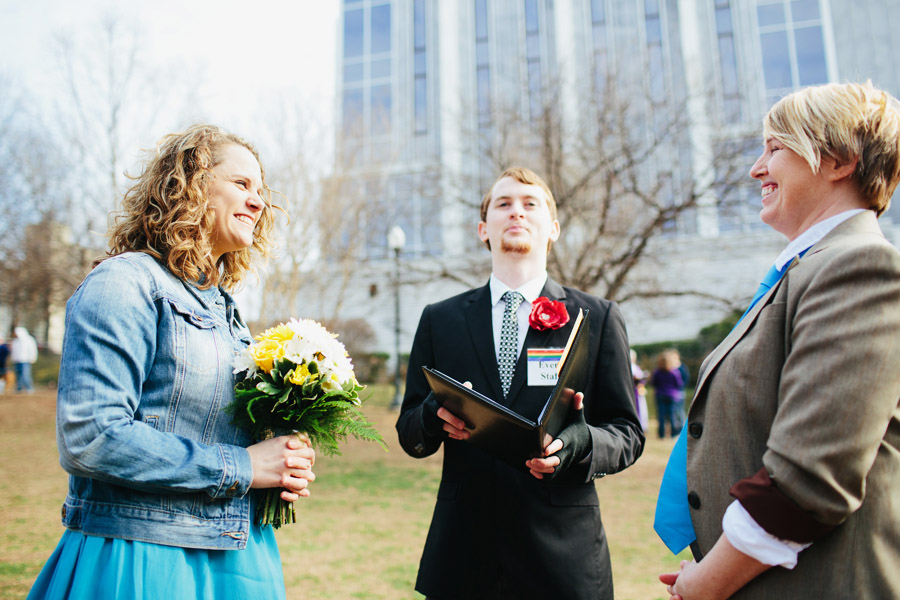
[
  {"x": 301, "y": 375},
  {"x": 265, "y": 352},
  {"x": 279, "y": 333}
]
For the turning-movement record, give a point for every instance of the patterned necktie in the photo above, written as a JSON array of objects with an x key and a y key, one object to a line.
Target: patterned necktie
[
  {"x": 672, "y": 521},
  {"x": 509, "y": 339}
]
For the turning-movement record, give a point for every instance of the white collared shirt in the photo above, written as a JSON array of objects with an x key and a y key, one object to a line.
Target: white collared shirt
[
  {"x": 811, "y": 236},
  {"x": 530, "y": 290},
  {"x": 739, "y": 526}
]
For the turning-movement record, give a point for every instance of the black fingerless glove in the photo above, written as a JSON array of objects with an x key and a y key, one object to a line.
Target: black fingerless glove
[
  {"x": 431, "y": 422},
  {"x": 576, "y": 439}
]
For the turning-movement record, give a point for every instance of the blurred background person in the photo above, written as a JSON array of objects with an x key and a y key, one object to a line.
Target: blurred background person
[
  {"x": 23, "y": 354},
  {"x": 682, "y": 370},
  {"x": 668, "y": 392},
  {"x": 4, "y": 354},
  {"x": 640, "y": 391},
  {"x": 793, "y": 452}
]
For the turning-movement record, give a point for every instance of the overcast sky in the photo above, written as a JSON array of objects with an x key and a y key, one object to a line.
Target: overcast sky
[{"x": 287, "y": 46}]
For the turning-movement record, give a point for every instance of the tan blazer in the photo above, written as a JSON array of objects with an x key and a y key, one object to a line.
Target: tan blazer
[{"x": 807, "y": 385}]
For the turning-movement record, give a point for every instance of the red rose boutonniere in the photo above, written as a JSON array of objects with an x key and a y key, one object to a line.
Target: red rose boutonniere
[{"x": 547, "y": 314}]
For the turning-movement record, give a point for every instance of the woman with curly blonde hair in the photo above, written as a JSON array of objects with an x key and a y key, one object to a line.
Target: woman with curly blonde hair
[
  {"x": 161, "y": 482},
  {"x": 167, "y": 213}
]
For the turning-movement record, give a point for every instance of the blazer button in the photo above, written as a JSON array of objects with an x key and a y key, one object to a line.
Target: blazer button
[
  {"x": 695, "y": 429},
  {"x": 419, "y": 448},
  {"x": 694, "y": 500}
]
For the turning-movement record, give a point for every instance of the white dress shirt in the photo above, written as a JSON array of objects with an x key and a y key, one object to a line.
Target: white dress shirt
[{"x": 530, "y": 290}]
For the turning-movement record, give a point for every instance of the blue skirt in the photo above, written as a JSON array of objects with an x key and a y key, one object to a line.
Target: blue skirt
[{"x": 87, "y": 567}]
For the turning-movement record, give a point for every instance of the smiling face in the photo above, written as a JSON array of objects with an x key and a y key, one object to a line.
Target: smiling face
[
  {"x": 518, "y": 219},
  {"x": 793, "y": 197},
  {"x": 234, "y": 196}
]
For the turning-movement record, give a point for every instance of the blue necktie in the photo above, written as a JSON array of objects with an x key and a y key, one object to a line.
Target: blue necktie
[
  {"x": 672, "y": 521},
  {"x": 771, "y": 278}
]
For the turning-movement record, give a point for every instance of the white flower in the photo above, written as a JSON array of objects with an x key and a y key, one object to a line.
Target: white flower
[
  {"x": 244, "y": 362},
  {"x": 314, "y": 343},
  {"x": 300, "y": 350}
]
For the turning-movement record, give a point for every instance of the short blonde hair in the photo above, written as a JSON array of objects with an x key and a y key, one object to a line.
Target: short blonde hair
[
  {"x": 844, "y": 122},
  {"x": 166, "y": 213}
]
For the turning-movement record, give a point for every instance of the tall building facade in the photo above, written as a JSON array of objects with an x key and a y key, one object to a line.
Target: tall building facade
[{"x": 422, "y": 85}]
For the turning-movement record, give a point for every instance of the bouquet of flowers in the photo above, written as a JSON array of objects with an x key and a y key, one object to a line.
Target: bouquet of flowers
[{"x": 297, "y": 378}]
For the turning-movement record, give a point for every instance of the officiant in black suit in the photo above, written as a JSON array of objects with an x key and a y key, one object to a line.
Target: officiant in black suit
[{"x": 498, "y": 531}]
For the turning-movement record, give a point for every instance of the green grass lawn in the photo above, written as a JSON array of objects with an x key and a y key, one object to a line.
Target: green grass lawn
[{"x": 359, "y": 535}]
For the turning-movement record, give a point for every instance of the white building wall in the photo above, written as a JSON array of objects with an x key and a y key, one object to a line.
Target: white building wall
[{"x": 861, "y": 43}]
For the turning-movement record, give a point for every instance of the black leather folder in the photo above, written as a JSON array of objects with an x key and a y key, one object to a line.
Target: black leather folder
[{"x": 501, "y": 431}]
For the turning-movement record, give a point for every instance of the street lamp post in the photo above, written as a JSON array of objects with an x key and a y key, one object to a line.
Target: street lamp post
[{"x": 396, "y": 239}]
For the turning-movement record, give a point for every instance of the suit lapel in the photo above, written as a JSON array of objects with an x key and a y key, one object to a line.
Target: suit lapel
[
  {"x": 740, "y": 329},
  {"x": 550, "y": 338},
  {"x": 865, "y": 222},
  {"x": 481, "y": 331}
]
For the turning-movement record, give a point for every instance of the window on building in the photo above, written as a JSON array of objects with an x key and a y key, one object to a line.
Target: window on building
[
  {"x": 600, "y": 44},
  {"x": 482, "y": 64},
  {"x": 380, "y": 120},
  {"x": 367, "y": 64},
  {"x": 404, "y": 201},
  {"x": 415, "y": 211},
  {"x": 793, "y": 46},
  {"x": 420, "y": 69},
  {"x": 728, "y": 72},
  {"x": 739, "y": 206},
  {"x": 377, "y": 216},
  {"x": 533, "y": 58},
  {"x": 655, "y": 64},
  {"x": 353, "y": 111},
  {"x": 353, "y": 33}
]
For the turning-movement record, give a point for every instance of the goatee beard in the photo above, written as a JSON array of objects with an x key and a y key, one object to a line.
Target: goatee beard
[{"x": 515, "y": 247}]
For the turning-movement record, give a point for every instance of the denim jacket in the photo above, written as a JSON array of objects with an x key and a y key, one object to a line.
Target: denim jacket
[{"x": 145, "y": 377}]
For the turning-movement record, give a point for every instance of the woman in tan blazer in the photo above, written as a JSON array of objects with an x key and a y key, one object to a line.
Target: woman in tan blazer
[{"x": 793, "y": 445}]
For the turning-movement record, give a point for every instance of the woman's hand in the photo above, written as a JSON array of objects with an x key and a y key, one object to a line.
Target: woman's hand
[
  {"x": 722, "y": 572},
  {"x": 285, "y": 461},
  {"x": 669, "y": 579}
]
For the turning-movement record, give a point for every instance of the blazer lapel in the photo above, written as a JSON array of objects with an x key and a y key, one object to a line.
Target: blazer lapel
[
  {"x": 539, "y": 339},
  {"x": 865, "y": 222},
  {"x": 736, "y": 334},
  {"x": 477, "y": 310}
]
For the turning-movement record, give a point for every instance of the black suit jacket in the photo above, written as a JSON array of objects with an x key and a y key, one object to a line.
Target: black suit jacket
[{"x": 494, "y": 522}]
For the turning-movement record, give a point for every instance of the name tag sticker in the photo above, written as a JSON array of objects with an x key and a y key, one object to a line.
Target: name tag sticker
[{"x": 542, "y": 363}]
